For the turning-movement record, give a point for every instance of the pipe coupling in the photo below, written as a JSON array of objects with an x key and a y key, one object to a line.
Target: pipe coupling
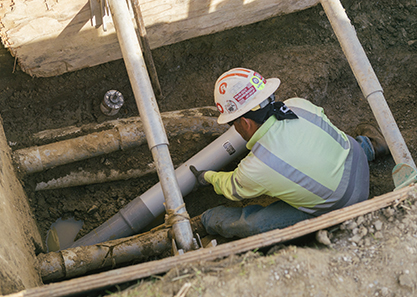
[{"x": 112, "y": 102}]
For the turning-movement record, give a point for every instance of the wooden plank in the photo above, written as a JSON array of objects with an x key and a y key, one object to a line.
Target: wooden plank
[
  {"x": 51, "y": 37},
  {"x": 121, "y": 275}
]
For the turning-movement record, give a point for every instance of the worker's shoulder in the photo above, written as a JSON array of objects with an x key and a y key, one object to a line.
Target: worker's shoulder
[
  {"x": 298, "y": 102},
  {"x": 301, "y": 103}
]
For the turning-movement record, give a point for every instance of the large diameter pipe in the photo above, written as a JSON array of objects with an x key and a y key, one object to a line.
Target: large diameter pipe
[
  {"x": 367, "y": 80},
  {"x": 145, "y": 208},
  {"x": 154, "y": 129}
]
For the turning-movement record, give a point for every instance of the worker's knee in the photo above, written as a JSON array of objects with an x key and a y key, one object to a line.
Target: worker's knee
[{"x": 233, "y": 221}]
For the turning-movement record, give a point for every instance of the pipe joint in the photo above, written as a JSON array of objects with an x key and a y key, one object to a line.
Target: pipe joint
[
  {"x": 374, "y": 92},
  {"x": 162, "y": 143}
]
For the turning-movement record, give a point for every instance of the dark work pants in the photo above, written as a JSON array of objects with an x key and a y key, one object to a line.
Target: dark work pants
[
  {"x": 254, "y": 219},
  {"x": 251, "y": 220}
]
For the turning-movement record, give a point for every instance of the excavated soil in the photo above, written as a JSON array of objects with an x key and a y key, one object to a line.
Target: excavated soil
[{"x": 373, "y": 255}]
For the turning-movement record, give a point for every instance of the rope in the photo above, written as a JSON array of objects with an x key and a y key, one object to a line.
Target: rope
[{"x": 172, "y": 216}]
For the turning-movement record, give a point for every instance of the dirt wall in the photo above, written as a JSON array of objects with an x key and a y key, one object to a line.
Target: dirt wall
[{"x": 19, "y": 235}]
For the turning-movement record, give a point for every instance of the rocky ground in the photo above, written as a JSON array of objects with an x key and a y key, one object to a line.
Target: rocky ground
[{"x": 372, "y": 255}]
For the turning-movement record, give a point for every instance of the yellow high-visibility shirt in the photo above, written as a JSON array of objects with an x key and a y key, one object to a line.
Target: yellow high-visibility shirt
[{"x": 305, "y": 162}]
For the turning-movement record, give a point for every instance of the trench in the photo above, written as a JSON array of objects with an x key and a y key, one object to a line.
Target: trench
[
  {"x": 105, "y": 247},
  {"x": 96, "y": 201}
]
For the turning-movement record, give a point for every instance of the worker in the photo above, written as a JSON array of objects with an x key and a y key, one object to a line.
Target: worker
[{"x": 296, "y": 156}]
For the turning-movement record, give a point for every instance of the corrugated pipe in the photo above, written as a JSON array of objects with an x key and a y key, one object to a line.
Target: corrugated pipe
[
  {"x": 125, "y": 134},
  {"x": 144, "y": 209},
  {"x": 367, "y": 80}
]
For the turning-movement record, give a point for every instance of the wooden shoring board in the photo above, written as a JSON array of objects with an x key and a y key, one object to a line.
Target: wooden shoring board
[
  {"x": 50, "y": 37},
  {"x": 135, "y": 272}
]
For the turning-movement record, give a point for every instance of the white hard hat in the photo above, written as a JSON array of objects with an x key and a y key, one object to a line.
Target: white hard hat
[{"x": 240, "y": 90}]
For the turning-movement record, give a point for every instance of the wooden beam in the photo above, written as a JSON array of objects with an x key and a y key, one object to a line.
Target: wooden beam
[
  {"x": 53, "y": 37},
  {"x": 126, "y": 274}
]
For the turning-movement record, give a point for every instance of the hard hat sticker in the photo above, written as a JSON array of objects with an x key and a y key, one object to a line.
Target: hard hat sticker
[
  {"x": 222, "y": 88},
  {"x": 260, "y": 77},
  {"x": 236, "y": 88},
  {"x": 220, "y": 107},
  {"x": 230, "y": 106},
  {"x": 245, "y": 93},
  {"x": 257, "y": 82}
]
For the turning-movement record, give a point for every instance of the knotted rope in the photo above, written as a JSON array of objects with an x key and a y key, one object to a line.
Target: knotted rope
[{"x": 172, "y": 216}]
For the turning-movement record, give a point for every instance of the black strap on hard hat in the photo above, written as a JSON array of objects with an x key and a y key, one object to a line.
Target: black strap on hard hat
[{"x": 276, "y": 108}]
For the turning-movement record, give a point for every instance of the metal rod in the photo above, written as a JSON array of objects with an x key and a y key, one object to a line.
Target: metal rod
[
  {"x": 146, "y": 49},
  {"x": 367, "y": 80},
  {"x": 148, "y": 109}
]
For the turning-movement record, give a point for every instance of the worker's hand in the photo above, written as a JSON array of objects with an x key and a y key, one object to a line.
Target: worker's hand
[{"x": 199, "y": 176}]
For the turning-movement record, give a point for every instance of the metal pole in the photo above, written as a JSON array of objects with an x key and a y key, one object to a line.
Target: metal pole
[
  {"x": 147, "y": 49},
  {"x": 367, "y": 80},
  {"x": 151, "y": 119}
]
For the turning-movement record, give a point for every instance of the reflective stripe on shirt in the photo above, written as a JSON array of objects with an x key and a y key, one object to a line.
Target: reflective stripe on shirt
[
  {"x": 332, "y": 198},
  {"x": 234, "y": 190},
  {"x": 290, "y": 172},
  {"x": 318, "y": 121}
]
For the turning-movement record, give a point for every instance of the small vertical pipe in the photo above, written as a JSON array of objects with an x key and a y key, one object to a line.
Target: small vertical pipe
[{"x": 112, "y": 102}]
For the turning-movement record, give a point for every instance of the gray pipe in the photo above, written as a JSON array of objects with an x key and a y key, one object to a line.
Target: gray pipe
[
  {"x": 148, "y": 109},
  {"x": 145, "y": 208},
  {"x": 367, "y": 80}
]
